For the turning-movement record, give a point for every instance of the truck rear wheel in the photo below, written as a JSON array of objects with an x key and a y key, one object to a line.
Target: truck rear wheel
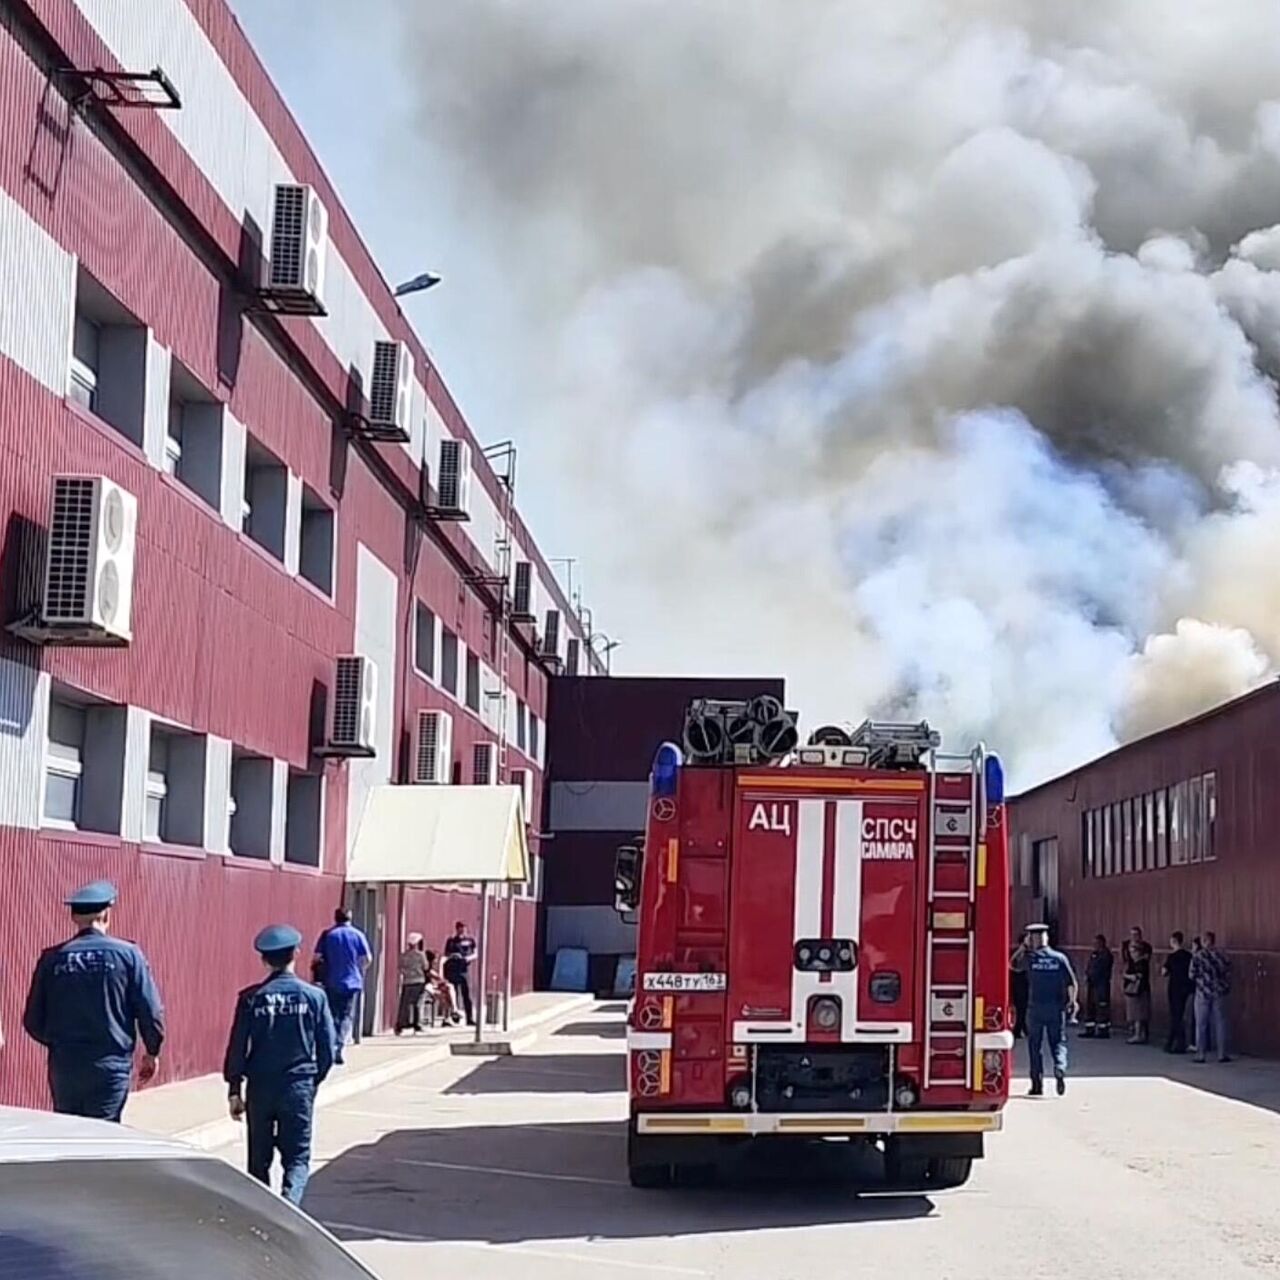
[
  {"x": 908, "y": 1173},
  {"x": 949, "y": 1171}
]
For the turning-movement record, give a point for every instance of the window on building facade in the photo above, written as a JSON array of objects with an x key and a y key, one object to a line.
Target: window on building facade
[
  {"x": 1195, "y": 819},
  {"x": 64, "y": 763},
  {"x": 83, "y": 764},
  {"x": 535, "y": 737},
  {"x": 473, "y": 682},
  {"x": 108, "y": 368},
  {"x": 83, "y": 388},
  {"x": 522, "y": 737},
  {"x": 424, "y": 641},
  {"x": 266, "y": 498},
  {"x": 1148, "y": 831},
  {"x": 302, "y": 825},
  {"x": 1162, "y": 828},
  {"x": 1210, "y": 816},
  {"x": 193, "y": 446},
  {"x": 174, "y": 793},
  {"x": 1178, "y": 825},
  {"x": 252, "y": 793},
  {"x": 1139, "y": 834},
  {"x": 315, "y": 545},
  {"x": 1172, "y": 826},
  {"x": 449, "y": 661}
]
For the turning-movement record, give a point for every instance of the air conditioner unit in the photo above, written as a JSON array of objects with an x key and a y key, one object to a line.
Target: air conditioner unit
[
  {"x": 522, "y": 593},
  {"x": 433, "y": 749},
  {"x": 391, "y": 390},
  {"x": 523, "y": 778},
  {"x": 299, "y": 226},
  {"x": 355, "y": 692},
  {"x": 574, "y": 651},
  {"x": 453, "y": 486},
  {"x": 484, "y": 764},
  {"x": 93, "y": 534},
  {"x": 550, "y": 647}
]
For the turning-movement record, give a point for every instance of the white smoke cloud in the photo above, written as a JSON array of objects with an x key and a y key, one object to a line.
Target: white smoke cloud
[{"x": 920, "y": 352}]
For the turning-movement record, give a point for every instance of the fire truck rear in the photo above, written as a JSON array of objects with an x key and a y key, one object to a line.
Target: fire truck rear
[{"x": 823, "y": 946}]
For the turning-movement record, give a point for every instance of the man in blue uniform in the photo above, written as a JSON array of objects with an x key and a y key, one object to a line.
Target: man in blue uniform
[
  {"x": 342, "y": 956},
  {"x": 90, "y": 999},
  {"x": 282, "y": 1045},
  {"x": 1051, "y": 998}
]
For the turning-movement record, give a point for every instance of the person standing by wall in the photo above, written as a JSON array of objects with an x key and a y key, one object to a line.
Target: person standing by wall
[
  {"x": 1097, "y": 991},
  {"x": 281, "y": 1048},
  {"x": 459, "y": 951},
  {"x": 413, "y": 985},
  {"x": 1211, "y": 974},
  {"x": 1053, "y": 989},
  {"x": 342, "y": 956},
  {"x": 1136, "y": 954},
  {"x": 91, "y": 998},
  {"x": 1177, "y": 971}
]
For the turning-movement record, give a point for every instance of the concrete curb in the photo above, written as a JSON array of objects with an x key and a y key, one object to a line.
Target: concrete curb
[{"x": 221, "y": 1133}]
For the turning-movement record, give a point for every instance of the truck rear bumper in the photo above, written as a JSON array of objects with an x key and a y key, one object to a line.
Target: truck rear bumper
[{"x": 819, "y": 1124}]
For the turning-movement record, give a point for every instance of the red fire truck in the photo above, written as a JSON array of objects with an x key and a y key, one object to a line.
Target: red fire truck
[{"x": 823, "y": 946}]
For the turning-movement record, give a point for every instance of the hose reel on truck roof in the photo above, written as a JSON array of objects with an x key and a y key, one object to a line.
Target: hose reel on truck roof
[{"x": 757, "y": 731}]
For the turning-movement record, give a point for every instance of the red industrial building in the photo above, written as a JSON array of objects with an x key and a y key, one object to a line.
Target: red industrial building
[
  {"x": 1175, "y": 831},
  {"x": 277, "y": 478}
]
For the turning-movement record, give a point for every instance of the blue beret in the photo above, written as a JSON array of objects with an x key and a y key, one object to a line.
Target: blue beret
[
  {"x": 277, "y": 937},
  {"x": 93, "y": 897}
]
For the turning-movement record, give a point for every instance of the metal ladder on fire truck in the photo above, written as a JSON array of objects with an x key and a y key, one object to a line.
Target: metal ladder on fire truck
[{"x": 956, "y": 804}]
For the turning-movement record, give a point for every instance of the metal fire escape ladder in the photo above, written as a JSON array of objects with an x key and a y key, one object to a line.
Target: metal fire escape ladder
[
  {"x": 956, "y": 817},
  {"x": 500, "y": 582}
]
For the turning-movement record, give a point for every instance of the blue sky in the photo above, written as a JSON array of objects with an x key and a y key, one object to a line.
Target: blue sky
[{"x": 347, "y": 83}]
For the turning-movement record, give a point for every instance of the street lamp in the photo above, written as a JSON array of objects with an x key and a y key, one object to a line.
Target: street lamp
[
  {"x": 419, "y": 284},
  {"x": 606, "y": 652}
]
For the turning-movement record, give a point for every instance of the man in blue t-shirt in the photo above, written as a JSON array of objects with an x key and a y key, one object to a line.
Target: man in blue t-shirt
[
  {"x": 1051, "y": 997},
  {"x": 342, "y": 956}
]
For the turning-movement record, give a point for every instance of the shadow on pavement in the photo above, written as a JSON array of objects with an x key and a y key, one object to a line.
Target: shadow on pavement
[
  {"x": 600, "y": 1029},
  {"x": 508, "y": 1184},
  {"x": 1255, "y": 1081},
  {"x": 546, "y": 1073}
]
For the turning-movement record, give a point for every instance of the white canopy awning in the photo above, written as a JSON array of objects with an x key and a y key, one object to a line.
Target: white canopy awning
[{"x": 440, "y": 835}]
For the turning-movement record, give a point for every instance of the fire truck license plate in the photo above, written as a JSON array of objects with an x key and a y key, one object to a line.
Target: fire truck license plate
[{"x": 685, "y": 982}]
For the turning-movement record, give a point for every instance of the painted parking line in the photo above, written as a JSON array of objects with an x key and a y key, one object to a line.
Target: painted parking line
[{"x": 497, "y": 1171}]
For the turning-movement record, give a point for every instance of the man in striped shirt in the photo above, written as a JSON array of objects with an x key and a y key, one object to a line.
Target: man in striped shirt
[{"x": 1211, "y": 973}]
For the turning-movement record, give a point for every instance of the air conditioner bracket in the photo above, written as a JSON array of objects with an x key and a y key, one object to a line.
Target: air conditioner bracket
[
  {"x": 285, "y": 302},
  {"x": 35, "y": 630},
  {"x": 333, "y": 751},
  {"x": 378, "y": 433}
]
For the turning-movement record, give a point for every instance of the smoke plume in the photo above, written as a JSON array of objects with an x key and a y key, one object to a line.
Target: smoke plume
[{"x": 920, "y": 352}]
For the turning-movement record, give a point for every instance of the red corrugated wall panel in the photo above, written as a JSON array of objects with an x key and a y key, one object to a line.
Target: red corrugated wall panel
[{"x": 225, "y": 641}]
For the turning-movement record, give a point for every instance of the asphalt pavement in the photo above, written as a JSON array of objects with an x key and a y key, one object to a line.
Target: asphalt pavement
[{"x": 514, "y": 1168}]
